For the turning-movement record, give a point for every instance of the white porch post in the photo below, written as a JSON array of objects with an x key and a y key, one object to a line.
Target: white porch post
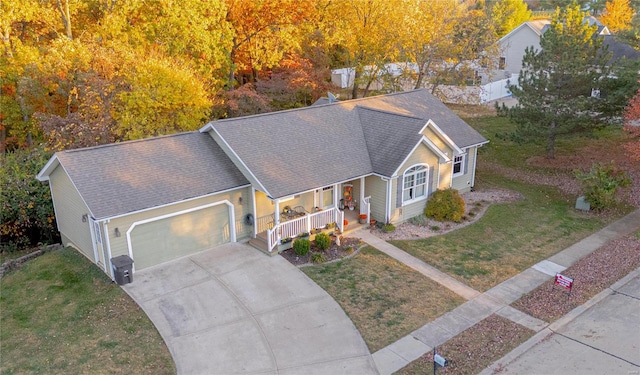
[
  {"x": 255, "y": 212},
  {"x": 336, "y": 202},
  {"x": 276, "y": 219},
  {"x": 362, "y": 195},
  {"x": 276, "y": 206},
  {"x": 387, "y": 215}
]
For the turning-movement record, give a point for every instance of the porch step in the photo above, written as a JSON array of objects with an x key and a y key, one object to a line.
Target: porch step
[{"x": 261, "y": 244}]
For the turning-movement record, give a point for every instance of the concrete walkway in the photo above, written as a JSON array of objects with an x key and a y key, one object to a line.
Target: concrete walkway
[{"x": 481, "y": 305}]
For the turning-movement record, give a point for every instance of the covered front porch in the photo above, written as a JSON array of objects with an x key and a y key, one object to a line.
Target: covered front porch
[{"x": 279, "y": 221}]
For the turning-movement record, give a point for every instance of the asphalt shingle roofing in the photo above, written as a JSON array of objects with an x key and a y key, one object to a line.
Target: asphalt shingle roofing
[
  {"x": 126, "y": 177},
  {"x": 289, "y": 152},
  {"x": 298, "y": 150}
]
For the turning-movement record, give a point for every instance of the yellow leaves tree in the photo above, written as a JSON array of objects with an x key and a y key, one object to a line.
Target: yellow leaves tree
[
  {"x": 509, "y": 14},
  {"x": 617, "y": 15},
  {"x": 163, "y": 98},
  {"x": 368, "y": 31}
]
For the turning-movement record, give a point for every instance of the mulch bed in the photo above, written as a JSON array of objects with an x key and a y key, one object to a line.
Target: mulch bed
[
  {"x": 348, "y": 247},
  {"x": 591, "y": 275},
  {"x": 475, "y": 348}
]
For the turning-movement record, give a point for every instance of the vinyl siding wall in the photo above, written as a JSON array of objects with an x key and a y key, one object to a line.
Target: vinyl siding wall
[
  {"x": 376, "y": 187},
  {"x": 69, "y": 208},
  {"x": 119, "y": 244},
  {"x": 439, "y": 178},
  {"x": 463, "y": 182}
]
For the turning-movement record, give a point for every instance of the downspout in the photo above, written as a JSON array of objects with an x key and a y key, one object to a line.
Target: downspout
[
  {"x": 387, "y": 209},
  {"x": 107, "y": 262},
  {"x": 473, "y": 172}
]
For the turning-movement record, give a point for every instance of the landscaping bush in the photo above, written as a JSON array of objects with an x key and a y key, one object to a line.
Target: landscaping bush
[
  {"x": 323, "y": 241},
  {"x": 318, "y": 258},
  {"x": 302, "y": 246},
  {"x": 26, "y": 210},
  {"x": 445, "y": 205},
  {"x": 601, "y": 183}
]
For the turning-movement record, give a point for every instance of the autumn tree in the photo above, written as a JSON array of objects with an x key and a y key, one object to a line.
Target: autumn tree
[
  {"x": 632, "y": 126},
  {"x": 368, "y": 32},
  {"x": 263, "y": 32},
  {"x": 509, "y": 14},
  {"x": 162, "y": 98},
  {"x": 568, "y": 87},
  {"x": 617, "y": 15}
]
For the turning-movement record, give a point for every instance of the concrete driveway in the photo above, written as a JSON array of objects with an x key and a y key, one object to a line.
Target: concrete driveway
[{"x": 233, "y": 310}]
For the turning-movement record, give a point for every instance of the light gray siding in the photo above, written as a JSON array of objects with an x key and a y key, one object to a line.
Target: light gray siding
[{"x": 69, "y": 209}]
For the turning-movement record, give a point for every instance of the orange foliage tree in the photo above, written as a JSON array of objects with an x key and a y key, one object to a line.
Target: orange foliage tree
[{"x": 632, "y": 126}]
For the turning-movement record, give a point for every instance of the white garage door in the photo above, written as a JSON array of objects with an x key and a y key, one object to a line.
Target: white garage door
[{"x": 173, "y": 237}]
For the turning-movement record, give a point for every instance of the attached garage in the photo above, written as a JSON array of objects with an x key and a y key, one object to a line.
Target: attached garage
[{"x": 161, "y": 239}]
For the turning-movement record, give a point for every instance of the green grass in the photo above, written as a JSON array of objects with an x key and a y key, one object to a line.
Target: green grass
[
  {"x": 385, "y": 299},
  {"x": 60, "y": 314},
  {"x": 511, "y": 237}
]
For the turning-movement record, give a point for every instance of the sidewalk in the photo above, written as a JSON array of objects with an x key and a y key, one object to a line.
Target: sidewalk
[{"x": 481, "y": 305}]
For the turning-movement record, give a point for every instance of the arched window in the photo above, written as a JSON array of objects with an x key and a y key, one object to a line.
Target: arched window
[{"x": 415, "y": 183}]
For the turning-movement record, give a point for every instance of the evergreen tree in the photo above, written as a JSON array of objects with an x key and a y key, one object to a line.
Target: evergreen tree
[{"x": 569, "y": 86}]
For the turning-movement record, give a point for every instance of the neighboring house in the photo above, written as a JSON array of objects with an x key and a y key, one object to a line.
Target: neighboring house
[
  {"x": 514, "y": 44},
  {"x": 393, "y": 74},
  {"x": 269, "y": 176}
]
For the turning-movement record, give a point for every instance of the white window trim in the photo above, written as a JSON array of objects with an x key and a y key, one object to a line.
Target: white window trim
[
  {"x": 462, "y": 163},
  {"x": 426, "y": 183}
]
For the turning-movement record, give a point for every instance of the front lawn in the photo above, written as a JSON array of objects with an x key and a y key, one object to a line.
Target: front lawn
[
  {"x": 385, "y": 299},
  {"x": 60, "y": 314},
  {"x": 509, "y": 238}
]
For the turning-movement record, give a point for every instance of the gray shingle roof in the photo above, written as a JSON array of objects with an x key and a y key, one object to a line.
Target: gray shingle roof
[
  {"x": 126, "y": 177},
  {"x": 298, "y": 150},
  {"x": 389, "y": 137}
]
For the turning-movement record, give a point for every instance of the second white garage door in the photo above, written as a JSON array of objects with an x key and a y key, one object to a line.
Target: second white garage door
[{"x": 162, "y": 240}]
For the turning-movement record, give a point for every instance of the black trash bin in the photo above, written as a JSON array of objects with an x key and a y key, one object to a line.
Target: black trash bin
[{"x": 122, "y": 269}]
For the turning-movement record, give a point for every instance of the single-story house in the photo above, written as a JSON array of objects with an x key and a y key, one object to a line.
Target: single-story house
[{"x": 271, "y": 176}]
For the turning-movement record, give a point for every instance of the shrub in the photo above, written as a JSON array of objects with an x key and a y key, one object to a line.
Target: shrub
[
  {"x": 445, "y": 205},
  {"x": 435, "y": 228},
  {"x": 420, "y": 220},
  {"x": 26, "y": 210},
  {"x": 601, "y": 183},
  {"x": 318, "y": 258},
  {"x": 302, "y": 246},
  {"x": 323, "y": 241},
  {"x": 388, "y": 228}
]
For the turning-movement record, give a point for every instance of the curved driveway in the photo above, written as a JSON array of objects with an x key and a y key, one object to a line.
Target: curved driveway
[{"x": 233, "y": 310}]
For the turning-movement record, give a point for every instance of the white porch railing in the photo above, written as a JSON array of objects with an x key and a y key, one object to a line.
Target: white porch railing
[
  {"x": 265, "y": 222},
  {"x": 302, "y": 224}
]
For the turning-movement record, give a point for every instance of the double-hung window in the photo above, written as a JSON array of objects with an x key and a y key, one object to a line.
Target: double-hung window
[
  {"x": 415, "y": 183},
  {"x": 458, "y": 165}
]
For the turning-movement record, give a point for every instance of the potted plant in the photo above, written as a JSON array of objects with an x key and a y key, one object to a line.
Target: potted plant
[{"x": 362, "y": 219}]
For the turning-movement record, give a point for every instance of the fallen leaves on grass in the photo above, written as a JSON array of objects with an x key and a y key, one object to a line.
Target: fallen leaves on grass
[
  {"x": 475, "y": 348},
  {"x": 591, "y": 275}
]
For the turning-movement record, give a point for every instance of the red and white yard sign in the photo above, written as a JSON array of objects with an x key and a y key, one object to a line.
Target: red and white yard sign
[{"x": 564, "y": 281}]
